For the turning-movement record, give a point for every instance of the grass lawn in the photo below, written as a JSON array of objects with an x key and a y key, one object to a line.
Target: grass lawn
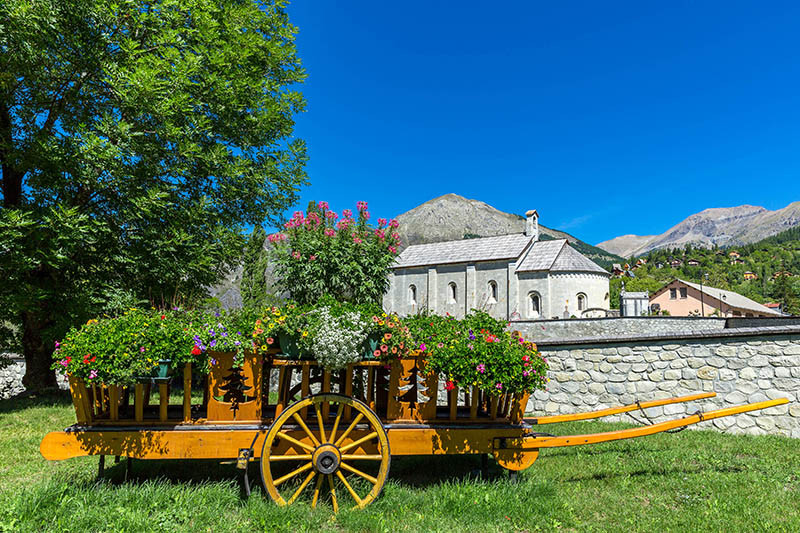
[{"x": 690, "y": 481}]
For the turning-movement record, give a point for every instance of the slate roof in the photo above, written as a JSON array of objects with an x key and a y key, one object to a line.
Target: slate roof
[
  {"x": 555, "y": 255},
  {"x": 572, "y": 260},
  {"x": 464, "y": 251},
  {"x": 541, "y": 255},
  {"x": 733, "y": 299}
]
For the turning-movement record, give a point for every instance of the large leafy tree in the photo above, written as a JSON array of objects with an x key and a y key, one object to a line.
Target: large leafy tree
[{"x": 137, "y": 139}]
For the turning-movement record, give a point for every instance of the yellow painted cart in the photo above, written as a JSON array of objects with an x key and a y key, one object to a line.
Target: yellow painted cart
[{"x": 319, "y": 434}]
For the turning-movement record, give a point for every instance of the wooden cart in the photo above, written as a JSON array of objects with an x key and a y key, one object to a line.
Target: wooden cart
[{"x": 315, "y": 431}]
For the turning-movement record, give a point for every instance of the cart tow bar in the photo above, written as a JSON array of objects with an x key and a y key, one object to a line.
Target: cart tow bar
[{"x": 243, "y": 461}]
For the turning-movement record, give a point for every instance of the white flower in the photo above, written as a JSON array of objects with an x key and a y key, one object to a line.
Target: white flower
[{"x": 338, "y": 341}]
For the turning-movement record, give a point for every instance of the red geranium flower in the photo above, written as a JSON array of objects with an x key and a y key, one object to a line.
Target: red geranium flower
[
  {"x": 196, "y": 350},
  {"x": 450, "y": 385}
]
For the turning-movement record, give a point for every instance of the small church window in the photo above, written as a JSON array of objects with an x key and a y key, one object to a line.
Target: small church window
[
  {"x": 581, "y": 302},
  {"x": 412, "y": 295},
  {"x": 453, "y": 292},
  {"x": 534, "y": 305},
  {"x": 492, "y": 292}
]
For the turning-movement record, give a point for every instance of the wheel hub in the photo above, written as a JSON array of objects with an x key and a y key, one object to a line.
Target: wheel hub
[{"x": 326, "y": 459}]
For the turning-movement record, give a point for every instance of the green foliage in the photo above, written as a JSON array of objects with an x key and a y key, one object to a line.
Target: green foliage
[
  {"x": 637, "y": 284},
  {"x": 348, "y": 260},
  {"x": 136, "y": 140},
  {"x": 478, "y": 351}
]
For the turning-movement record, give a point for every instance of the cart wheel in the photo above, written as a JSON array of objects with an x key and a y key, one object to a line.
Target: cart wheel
[{"x": 322, "y": 450}]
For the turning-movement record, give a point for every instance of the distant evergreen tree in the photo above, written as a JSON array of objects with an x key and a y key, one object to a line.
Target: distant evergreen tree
[{"x": 254, "y": 290}]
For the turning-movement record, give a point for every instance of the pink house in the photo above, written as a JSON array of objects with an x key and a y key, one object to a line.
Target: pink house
[{"x": 684, "y": 298}]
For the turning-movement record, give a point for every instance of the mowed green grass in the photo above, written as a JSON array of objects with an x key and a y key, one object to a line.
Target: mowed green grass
[{"x": 691, "y": 481}]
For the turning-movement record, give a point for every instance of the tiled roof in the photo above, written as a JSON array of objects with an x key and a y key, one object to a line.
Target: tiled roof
[
  {"x": 733, "y": 299},
  {"x": 464, "y": 251},
  {"x": 541, "y": 256},
  {"x": 573, "y": 261}
]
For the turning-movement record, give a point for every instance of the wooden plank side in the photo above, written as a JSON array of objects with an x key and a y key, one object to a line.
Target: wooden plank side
[{"x": 187, "y": 392}]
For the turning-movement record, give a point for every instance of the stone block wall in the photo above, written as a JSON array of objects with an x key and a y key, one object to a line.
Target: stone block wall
[
  {"x": 11, "y": 378},
  {"x": 739, "y": 365}
]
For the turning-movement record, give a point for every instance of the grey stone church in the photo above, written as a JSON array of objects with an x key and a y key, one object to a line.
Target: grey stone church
[{"x": 511, "y": 277}]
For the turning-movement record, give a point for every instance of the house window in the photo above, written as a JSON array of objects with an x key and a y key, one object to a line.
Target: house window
[
  {"x": 737, "y": 313},
  {"x": 534, "y": 305},
  {"x": 452, "y": 291},
  {"x": 492, "y": 289},
  {"x": 412, "y": 295},
  {"x": 581, "y": 302},
  {"x": 673, "y": 294},
  {"x": 683, "y": 293}
]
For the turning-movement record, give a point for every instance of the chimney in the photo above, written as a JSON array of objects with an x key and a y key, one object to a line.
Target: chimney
[{"x": 532, "y": 224}]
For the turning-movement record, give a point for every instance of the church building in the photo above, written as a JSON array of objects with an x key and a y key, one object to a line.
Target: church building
[{"x": 512, "y": 277}]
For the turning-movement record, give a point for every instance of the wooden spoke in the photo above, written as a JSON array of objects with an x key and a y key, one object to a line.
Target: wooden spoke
[
  {"x": 303, "y": 425},
  {"x": 336, "y": 423},
  {"x": 358, "y": 472},
  {"x": 358, "y": 442},
  {"x": 333, "y": 494},
  {"x": 315, "y": 498},
  {"x": 293, "y": 473},
  {"x": 353, "y": 424},
  {"x": 273, "y": 458},
  {"x": 362, "y": 457},
  {"x": 296, "y": 442},
  {"x": 302, "y": 486},
  {"x": 322, "y": 437},
  {"x": 349, "y": 489}
]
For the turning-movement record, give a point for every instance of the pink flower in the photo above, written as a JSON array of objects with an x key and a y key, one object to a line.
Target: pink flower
[
  {"x": 312, "y": 257},
  {"x": 296, "y": 254},
  {"x": 141, "y": 349},
  {"x": 376, "y": 353},
  {"x": 422, "y": 347},
  {"x": 365, "y": 214},
  {"x": 384, "y": 348},
  {"x": 329, "y": 232},
  {"x": 64, "y": 363},
  {"x": 396, "y": 236},
  {"x": 394, "y": 224},
  {"x": 322, "y": 205},
  {"x": 93, "y": 374},
  {"x": 379, "y": 234},
  {"x": 347, "y": 213},
  {"x": 361, "y": 206},
  {"x": 481, "y": 368},
  {"x": 499, "y": 386},
  {"x": 298, "y": 214},
  {"x": 357, "y": 240},
  {"x": 381, "y": 222},
  {"x": 332, "y": 215},
  {"x": 58, "y": 344},
  {"x": 525, "y": 373},
  {"x": 393, "y": 249}
]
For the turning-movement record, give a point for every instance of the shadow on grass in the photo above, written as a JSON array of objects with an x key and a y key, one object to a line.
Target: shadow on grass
[
  {"x": 600, "y": 476},
  {"x": 47, "y": 398}
]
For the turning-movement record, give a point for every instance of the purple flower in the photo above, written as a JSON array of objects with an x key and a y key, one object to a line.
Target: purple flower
[
  {"x": 471, "y": 335},
  {"x": 212, "y": 343},
  {"x": 481, "y": 368},
  {"x": 216, "y": 314},
  {"x": 213, "y": 361},
  {"x": 224, "y": 333},
  {"x": 239, "y": 333},
  {"x": 197, "y": 340},
  {"x": 237, "y": 343}
]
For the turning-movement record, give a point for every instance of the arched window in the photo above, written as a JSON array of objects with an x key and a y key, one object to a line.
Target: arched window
[
  {"x": 581, "y": 302},
  {"x": 492, "y": 290},
  {"x": 412, "y": 295},
  {"x": 534, "y": 305},
  {"x": 452, "y": 292}
]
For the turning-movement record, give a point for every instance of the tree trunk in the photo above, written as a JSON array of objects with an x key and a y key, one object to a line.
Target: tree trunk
[{"x": 38, "y": 352}]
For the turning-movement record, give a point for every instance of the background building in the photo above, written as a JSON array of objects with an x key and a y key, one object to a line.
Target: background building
[{"x": 683, "y": 298}]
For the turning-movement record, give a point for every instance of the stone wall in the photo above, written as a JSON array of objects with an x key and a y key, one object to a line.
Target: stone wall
[
  {"x": 576, "y": 328},
  {"x": 11, "y": 378},
  {"x": 742, "y": 365}
]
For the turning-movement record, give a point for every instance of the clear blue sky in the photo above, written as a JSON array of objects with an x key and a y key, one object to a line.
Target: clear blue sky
[{"x": 608, "y": 117}]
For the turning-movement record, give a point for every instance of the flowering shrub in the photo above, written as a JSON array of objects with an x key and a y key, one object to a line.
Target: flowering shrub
[
  {"x": 321, "y": 253},
  {"x": 119, "y": 350},
  {"x": 337, "y": 339},
  {"x": 479, "y": 351},
  {"x": 387, "y": 336},
  {"x": 223, "y": 331}
]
